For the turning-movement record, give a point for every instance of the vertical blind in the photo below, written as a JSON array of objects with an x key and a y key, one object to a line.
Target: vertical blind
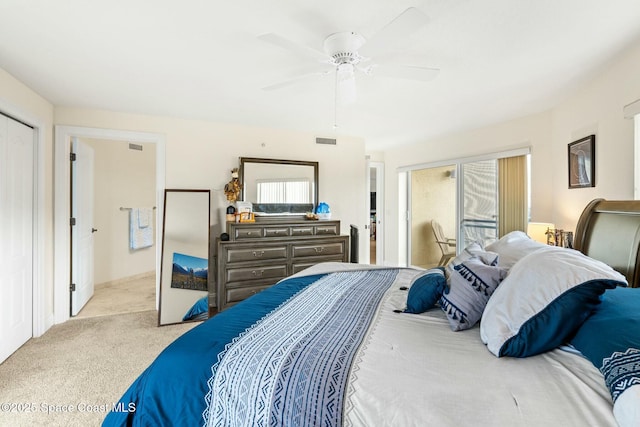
[
  {"x": 512, "y": 194},
  {"x": 284, "y": 191}
]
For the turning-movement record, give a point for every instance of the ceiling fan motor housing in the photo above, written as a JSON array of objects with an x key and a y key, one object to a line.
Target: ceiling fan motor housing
[{"x": 343, "y": 47}]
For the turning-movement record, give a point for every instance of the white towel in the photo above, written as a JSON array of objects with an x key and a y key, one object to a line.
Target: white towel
[
  {"x": 145, "y": 217},
  {"x": 140, "y": 228}
]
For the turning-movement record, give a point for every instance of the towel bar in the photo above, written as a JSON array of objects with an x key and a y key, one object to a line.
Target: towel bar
[{"x": 128, "y": 209}]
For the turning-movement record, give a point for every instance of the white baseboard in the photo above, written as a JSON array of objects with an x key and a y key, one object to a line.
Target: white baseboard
[{"x": 139, "y": 276}]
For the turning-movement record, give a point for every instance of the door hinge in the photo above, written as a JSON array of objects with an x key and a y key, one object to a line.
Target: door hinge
[
  {"x": 72, "y": 287},
  {"x": 72, "y": 157},
  {"x": 72, "y": 221}
]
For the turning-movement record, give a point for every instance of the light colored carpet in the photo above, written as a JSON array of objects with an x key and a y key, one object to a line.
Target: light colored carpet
[
  {"x": 139, "y": 293},
  {"x": 80, "y": 365}
]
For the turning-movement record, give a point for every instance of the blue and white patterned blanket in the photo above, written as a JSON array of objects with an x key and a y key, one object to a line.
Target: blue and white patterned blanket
[
  {"x": 291, "y": 367},
  {"x": 299, "y": 338}
]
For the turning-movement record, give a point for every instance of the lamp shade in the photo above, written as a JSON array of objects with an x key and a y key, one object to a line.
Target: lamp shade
[{"x": 538, "y": 231}]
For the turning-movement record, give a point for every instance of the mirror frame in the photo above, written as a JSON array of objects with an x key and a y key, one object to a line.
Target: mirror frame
[
  {"x": 288, "y": 213},
  {"x": 162, "y": 253}
]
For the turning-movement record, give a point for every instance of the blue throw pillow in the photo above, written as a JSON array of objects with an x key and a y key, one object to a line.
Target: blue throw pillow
[
  {"x": 610, "y": 339},
  {"x": 425, "y": 290},
  {"x": 544, "y": 299},
  {"x": 199, "y": 310}
]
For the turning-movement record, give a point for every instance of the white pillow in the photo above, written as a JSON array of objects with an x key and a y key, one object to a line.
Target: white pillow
[
  {"x": 543, "y": 300},
  {"x": 512, "y": 247}
]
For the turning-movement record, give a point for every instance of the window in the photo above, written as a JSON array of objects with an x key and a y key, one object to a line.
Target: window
[{"x": 284, "y": 191}]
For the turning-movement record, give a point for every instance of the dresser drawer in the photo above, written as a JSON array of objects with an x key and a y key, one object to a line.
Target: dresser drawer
[
  {"x": 318, "y": 249},
  {"x": 299, "y": 266},
  {"x": 256, "y": 254},
  {"x": 275, "y": 272},
  {"x": 302, "y": 231},
  {"x": 239, "y": 294},
  {"x": 276, "y": 232},
  {"x": 248, "y": 233},
  {"x": 326, "y": 230}
]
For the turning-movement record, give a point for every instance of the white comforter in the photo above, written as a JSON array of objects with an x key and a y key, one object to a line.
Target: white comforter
[{"x": 414, "y": 371}]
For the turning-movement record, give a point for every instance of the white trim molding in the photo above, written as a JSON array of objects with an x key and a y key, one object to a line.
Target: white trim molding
[{"x": 631, "y": 110}]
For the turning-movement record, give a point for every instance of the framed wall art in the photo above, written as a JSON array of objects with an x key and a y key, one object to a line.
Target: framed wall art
[{"x": 582, "y": 162}]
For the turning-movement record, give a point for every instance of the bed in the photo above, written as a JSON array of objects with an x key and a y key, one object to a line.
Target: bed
[{"x": 512, "y": 333}]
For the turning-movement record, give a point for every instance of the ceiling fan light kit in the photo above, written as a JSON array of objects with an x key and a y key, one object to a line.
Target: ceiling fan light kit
[{"x": 343, "y": 47}]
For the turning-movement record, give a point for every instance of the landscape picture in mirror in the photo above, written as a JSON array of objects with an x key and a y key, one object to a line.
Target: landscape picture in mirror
[
  {"x": 279, "y": 187},
  {"x": 189, "y": 272}
]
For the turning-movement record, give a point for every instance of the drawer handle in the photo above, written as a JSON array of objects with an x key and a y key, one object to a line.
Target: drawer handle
[
  {"x": 258, "y": 254},
  {"x": 249, "y": 233},
  {"x": 257, "y": 273},
  {"x": 319, "y": 250}
]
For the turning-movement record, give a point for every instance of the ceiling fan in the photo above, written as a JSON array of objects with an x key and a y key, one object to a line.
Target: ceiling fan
[{"x": 346, "y": 53}]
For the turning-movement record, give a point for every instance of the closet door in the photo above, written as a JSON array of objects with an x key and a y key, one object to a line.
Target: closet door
[{"x": 16, "y": 234}]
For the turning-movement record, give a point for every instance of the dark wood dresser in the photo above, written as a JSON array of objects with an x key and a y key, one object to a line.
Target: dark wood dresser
[{"x": 259, "y": 254}]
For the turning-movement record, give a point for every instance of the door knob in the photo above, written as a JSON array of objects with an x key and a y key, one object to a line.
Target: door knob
[{"x": 93, "y": 230}]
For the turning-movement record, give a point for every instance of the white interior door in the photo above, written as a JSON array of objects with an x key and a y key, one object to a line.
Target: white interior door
[
  {"x": 82, "y": 231},
  {"x": 16, "y": 235}
]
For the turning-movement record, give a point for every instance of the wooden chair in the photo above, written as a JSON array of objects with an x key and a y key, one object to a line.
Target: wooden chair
[{"x": 447, "y": 246}]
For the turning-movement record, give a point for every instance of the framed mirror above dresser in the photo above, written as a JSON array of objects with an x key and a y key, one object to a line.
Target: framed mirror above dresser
[{"x": 279, "y": 187}]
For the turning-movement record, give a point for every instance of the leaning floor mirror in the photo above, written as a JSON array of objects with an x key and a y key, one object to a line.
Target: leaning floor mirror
[{"x": 185, "y": 256}]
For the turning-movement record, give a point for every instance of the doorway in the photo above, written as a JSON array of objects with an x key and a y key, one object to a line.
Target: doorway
[
  {"x": 122, "y": 177},
  {"x": 376, "y": 212},
  {"x": 63, "y": 137}
]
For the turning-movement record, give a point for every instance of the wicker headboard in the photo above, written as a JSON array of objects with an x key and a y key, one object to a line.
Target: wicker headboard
[{"x": 609, "y": 231}]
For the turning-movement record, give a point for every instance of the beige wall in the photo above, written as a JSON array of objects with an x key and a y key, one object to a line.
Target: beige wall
[
  {"x": 533, "y": 131},
  {"x": 122, "y": 178},
  {"x": 201, "y": 154},
  {"x": 595, "y": 108}
]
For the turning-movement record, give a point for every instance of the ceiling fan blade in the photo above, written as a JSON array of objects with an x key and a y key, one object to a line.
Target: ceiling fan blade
[
  {"x": 407, "y": 72},
  {"x": 395, "y": 32},
  {"x": 294, "y": 47},
  {"x": 295, "y": 79}
]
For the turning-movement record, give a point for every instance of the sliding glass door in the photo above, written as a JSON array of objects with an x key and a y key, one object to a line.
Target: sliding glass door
[
  {"x": 432, "y": 198},
  {"x": 479, "y": 202},
  {"x": 466, "y": 201}
]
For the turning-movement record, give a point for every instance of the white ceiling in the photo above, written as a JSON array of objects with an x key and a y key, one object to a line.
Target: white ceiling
[{"x": 201, "y": 59}]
